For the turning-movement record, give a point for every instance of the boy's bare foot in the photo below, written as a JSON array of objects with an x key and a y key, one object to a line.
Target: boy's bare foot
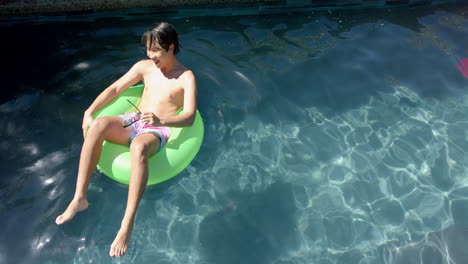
[
  {"x": 120, "y": 244},
  {"x": 74, "y": 207}
]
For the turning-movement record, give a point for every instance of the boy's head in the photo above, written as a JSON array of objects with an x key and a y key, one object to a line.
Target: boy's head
[{"x": 164, "y": 34}]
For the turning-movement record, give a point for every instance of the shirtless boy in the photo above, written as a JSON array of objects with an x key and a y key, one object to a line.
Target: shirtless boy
[{"x": 169, "y": 86}]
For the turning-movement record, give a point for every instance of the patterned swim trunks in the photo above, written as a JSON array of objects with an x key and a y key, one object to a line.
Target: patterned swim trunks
[{"x": 139, "y": 128}]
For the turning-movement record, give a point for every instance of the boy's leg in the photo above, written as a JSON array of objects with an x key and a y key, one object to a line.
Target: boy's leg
[
  {"x": 108, "y": 128},
  {"x": 142, "y": 148}
]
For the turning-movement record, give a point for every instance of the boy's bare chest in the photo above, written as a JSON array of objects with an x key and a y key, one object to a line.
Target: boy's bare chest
[{"x": 161, "y": 88}]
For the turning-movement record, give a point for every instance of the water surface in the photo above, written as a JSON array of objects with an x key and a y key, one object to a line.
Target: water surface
[{"x": 331, "y": 137}]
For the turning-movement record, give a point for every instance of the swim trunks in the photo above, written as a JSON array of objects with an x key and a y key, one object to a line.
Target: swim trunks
[{"x": 139, "y": 128}]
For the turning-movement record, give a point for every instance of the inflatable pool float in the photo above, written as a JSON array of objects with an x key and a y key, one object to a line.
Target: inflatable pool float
[{"x": 179, "y": 151}]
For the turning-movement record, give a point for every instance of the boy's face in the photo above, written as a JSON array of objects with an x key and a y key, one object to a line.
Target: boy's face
[{"x": 157, "y": 53}]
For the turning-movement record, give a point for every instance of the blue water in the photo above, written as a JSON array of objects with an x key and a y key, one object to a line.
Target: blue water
[{"x": 331, "y": 137}]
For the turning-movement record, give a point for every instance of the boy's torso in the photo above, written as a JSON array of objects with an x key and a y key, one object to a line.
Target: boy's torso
[{"x": 163, "y": 95}]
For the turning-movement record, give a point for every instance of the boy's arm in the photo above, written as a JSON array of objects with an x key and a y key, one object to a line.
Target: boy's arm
[
  {"x": 190, "y": 104},
  {"x": 133, "y": 76}
]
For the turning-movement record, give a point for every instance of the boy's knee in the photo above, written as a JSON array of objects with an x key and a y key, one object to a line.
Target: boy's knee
[
  {"x": 98, "y": 125},
  {"x": 139, "y": 148}
]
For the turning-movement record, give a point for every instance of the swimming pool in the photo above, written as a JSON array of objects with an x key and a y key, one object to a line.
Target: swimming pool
[{"x": 331, "y": 137}]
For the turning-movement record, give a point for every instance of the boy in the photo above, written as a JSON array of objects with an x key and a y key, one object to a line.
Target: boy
[{"x": 169, "y": 86}]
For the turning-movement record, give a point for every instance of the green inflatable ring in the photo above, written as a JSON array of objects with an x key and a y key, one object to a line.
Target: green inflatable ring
[{"x": 179, "y": 151}]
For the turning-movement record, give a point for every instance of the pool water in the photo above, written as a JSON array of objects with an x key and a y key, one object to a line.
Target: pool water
[{"x": 330, "y": 137}]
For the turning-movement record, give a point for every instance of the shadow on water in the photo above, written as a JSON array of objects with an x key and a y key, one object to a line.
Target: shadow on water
[
  {"x": 351, "y": 55},
  {"x": 251, "y": 228},
  {"x": 57, "y": 46},
  {"x": 347, "y": 74},
  {"x": 31, "y": 64},
  {"x": 52, "y": 57}
]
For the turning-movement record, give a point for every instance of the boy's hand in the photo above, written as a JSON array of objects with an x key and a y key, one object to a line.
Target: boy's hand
[
  {"x": 87, "y": 120},
  {"x": 150, "y": 119}
]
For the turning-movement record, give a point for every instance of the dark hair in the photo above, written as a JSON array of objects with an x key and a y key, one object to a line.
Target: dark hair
[{"x": 165, "y": 34}]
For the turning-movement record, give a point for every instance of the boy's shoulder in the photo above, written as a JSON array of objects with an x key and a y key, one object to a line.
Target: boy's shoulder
[
  {"x": 143, "y": 62},
  {"x": 143, "y": 66},
  {"x": 187, "y": 73}
]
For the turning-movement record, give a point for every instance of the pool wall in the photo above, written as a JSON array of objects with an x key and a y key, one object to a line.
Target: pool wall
[{"x": 234, "y": 7}]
